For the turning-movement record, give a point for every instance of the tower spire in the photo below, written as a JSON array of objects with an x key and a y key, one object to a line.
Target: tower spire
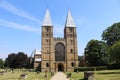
[
  {"x": 69, "y": 20},
  {"x": 47, "y": 19}
]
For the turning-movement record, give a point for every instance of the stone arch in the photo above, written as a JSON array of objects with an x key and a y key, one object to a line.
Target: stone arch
[{"x": 60, "y": 67}]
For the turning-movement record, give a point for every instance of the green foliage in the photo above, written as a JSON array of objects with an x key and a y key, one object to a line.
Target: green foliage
[
  {"x": 96, "y": 53},
  {"x": 19, "y": 60},
  {"x": 82, "y": 61},
  {"x": 80, "y": 58},
  {"x": 101, "y": 67},
  {"x": 112, "y": 34},
  {"x": 84, "y": 69},
  {"x": 9, "y": 62},
  {"x": 99, "y": 75},
  {"x": 1, "y": 63},
  {"x": 91, "y": 68},
  {"x": 115, "y": 53},
  {"x": 114, "y": 66}
]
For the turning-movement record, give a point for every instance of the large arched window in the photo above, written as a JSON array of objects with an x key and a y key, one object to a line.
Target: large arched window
[{"x": 59, "y": 52}]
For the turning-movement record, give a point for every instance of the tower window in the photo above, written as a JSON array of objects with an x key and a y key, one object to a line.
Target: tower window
[
  {"x": 71, "y": 35},
  {"x": 47, "y": 64},
  {"x": 72, "y": 64},
  {"x": 71, "y": 41},
  {"x": 47, "y": 41},
  {"x": 71, "y": 50},
  {"x": 71, "y": 30},
  {"x": 47, "y": 35},
  {"x": 47, "y": 29}
]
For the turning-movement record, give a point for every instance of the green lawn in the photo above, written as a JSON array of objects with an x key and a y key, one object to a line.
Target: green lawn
[
  {"x": 30, "y": 76},
  {"x": 99, "y": 75}
]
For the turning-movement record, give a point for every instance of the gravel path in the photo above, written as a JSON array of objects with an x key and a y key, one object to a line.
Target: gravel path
[{"x": 59, "y": 76}]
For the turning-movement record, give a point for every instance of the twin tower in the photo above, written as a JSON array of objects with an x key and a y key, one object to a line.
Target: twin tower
[{"x": 59, "y": 54}]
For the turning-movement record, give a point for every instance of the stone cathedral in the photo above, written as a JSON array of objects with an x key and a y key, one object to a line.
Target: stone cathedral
[{"x": 57, "y": 54}]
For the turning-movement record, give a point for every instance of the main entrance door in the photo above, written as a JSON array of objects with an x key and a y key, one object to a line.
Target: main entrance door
[{"x": 60, "y": 67}]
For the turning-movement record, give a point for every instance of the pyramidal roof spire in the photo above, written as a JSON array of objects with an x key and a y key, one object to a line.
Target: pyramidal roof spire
[
  {"x": 47, "y": 19},
  {"x": 69, "y": 20}
]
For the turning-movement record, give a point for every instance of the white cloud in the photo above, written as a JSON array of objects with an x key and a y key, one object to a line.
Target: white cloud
[
  {"x": 6, "y": 23},
  {"x": 19, "y": 12}
]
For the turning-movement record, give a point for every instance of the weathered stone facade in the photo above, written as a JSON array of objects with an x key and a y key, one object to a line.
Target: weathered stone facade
[
  {"x": 59, "y": 54},
  {"x": 37, "y": 59}
]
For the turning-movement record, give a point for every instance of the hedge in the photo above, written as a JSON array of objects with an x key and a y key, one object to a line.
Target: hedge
[
  {"x": 114, "y": 66},
  {"x": 91, "y": 68}
]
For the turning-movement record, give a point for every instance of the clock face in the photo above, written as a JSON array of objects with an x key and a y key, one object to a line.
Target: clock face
[{"x": 59, "y": 52}]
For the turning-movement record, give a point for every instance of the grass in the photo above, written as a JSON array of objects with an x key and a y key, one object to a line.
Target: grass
[
  {"x": 99, "y": 75},
  {"x": 30, "y": 76}
]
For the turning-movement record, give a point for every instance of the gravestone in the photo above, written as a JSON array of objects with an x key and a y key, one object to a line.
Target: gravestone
[
  {"x": 45, "y": 74},
  {"x": 23, "y": 76},
  {"x": 77, "y": 71},
  {"x": 52, "y": 73},
  {"x": 69, "y": 75},
  {"x": 3, "y": 73},
  {"x": 38, "y": 72},
  {"x": 89, "y": 75}
]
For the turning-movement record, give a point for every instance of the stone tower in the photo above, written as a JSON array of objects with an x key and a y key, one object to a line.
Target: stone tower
[
  {"x": 47, "y": 43},
  {"x": 71, "y": 43},
  {"x": 59, "y": 54}
]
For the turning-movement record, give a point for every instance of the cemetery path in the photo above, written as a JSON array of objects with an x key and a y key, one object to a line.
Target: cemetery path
[{"x": 59, "y": 76}]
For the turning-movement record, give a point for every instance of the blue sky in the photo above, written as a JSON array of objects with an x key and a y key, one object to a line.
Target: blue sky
[{"x": 20, "y": 21}]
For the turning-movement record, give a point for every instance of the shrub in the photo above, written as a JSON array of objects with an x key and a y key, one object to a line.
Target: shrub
[
  {"x": 114, "y": 66},
  {"x": 91, "y": 68},
  {"x": 101, "y": 68},
  {"x": 84, "y": 69}
]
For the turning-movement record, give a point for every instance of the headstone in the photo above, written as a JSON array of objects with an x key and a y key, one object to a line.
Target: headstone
[
  {"x": 45, "y": 74},
  {"x": 12, "y": 71},
  {"x": 3, "y": 73},
  {"x": 88, "y": 75},
  {"x": 69, "y": 75},
  {"x": 37, "y": 72},
  {"x": 23, "y": 76},
  {"x": 52, "y": 73},
  {"x": 77, "y": 71}
]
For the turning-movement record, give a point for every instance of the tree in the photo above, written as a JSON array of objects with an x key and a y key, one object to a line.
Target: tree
[
  {"x": 9, "y": 62},
  {"x": 115, "y": 53},
  {"x": 1, "y": 63},
  {"x": 96, "y": 53},
  {"x": 82, "y": 61},
  {"x": 30, "y": 62},
  {"x": 112, "y": 34},
  {"x": 19, "y": 60}
]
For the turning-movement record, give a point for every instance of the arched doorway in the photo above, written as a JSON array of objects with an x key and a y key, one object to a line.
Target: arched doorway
[{"x": 60, "y": 67}]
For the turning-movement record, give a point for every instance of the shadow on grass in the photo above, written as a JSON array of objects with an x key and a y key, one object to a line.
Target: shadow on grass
[{"x": 109, "y": 73}]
